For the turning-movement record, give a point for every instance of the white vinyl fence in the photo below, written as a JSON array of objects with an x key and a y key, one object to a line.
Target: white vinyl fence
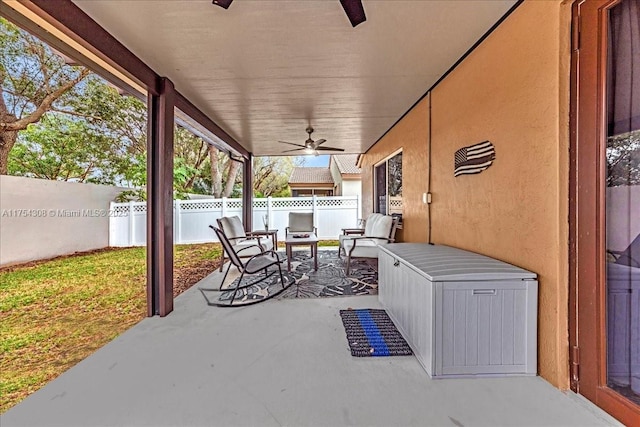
[{"x": 191, "y": 218}]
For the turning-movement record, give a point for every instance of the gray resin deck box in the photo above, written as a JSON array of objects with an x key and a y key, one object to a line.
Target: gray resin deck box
[{"x": 462, "y": 313}]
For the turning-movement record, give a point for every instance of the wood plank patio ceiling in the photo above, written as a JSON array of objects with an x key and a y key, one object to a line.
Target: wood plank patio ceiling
[{"x": 263, "y": 70}]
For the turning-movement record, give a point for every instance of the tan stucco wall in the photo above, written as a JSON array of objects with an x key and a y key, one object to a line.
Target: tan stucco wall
[
  {"x": 513, "y": 91},
  {"x": 411, "y": 135},
  {"x": 508, "y": 91}
]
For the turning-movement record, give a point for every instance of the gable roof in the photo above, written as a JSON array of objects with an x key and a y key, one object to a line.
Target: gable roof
[
  {"x": 306, "y": 175},
  {"x": 347, "y": 163}
]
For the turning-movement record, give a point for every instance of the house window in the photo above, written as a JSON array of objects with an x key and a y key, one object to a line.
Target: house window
[{"x": 388, "y": 186}]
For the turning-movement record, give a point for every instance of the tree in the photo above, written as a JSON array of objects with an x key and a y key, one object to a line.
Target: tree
[
  {"x": 120, "y": 116},
  {"x": 92, "y": 137},
  {"x": 63, "y": 149},
  {"x": 623, "y": 159},
  {"x": 224, "y": 173},
  {"x": 271, "y": 176},
  {"x": 32, "y": 81}
]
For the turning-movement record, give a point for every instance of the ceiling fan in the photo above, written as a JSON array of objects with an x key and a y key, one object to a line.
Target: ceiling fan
[
  {"x": 353, "y": 9},
  {"x": 310, "y": 146}
]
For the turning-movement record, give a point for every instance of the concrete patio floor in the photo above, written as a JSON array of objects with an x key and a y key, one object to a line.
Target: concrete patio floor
[{"x": 278, "y": 363}]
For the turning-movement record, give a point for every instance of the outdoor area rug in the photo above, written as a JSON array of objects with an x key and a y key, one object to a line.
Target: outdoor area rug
[
  {"x": 329, "y": 281},
  {"x": 371, "y": 333}
]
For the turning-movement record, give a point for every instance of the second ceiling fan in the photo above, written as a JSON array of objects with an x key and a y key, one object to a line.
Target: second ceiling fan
[{"x": 310, "y": 146}]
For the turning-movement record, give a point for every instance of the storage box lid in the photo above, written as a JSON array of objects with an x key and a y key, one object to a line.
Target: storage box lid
[{"x": 440, "y": 263}]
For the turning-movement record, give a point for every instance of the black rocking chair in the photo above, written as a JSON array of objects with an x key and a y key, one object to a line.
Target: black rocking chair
[{"x": 256, "y": 264}]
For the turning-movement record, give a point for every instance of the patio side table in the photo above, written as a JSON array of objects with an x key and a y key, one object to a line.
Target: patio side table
[{"x": 310, "y": 239}]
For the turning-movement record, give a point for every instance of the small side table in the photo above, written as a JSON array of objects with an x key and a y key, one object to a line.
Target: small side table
[{"x": 272, "y": 233}]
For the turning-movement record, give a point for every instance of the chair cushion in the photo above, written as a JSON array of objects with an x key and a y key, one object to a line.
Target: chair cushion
[
  {"x": 250, "y": 247},
  {"x": 378, "y": 225},
  {"x": 232, "y": 227},
  {"x": 365, "y": 248},
  {"x": 300, "y": 221}
]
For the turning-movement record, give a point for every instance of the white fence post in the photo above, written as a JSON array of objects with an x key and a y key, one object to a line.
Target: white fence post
[
  {"x": 315, "y": 210},
  {"x": 132, "y": 225},
  {"x": 112, "y": 228},
  {"x": 224, "y": 206},
  {"x": 269, "y": 216},
  {"x": 177, "y": 220}
]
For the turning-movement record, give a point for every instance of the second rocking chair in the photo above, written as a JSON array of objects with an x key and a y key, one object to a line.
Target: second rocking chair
[{"x": 254, "y": 266}]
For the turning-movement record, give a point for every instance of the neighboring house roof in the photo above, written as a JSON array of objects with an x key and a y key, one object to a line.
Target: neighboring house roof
[
  {"x": 311, "y": 176},
  {"x": 347, "y": 163}
]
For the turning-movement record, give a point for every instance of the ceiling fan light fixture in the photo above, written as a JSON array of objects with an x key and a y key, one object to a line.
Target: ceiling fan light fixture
[
  {"x": 310, "y": 146},
  {"x": 222, "y": 3}
]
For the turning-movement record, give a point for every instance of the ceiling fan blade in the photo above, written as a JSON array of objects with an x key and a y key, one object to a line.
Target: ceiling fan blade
[
  {"x": 320, "y": 141},
  {"x": 295, "y": 149},
  {"x": 329, "y": 149},
  {"x": 354, "y": 11},
  {"x": 291, "y": 143},
  {"x": 224, "y": 3}
]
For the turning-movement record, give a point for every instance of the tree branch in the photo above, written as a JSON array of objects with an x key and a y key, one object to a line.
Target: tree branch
[
  {"x": 44, "y": 106},
  {"x": 75, "y": 113}
]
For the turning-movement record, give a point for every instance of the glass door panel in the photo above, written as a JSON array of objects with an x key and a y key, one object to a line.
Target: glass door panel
[
  {"x": 622, "y": 197},
  {"x": 381, "y": 188}
]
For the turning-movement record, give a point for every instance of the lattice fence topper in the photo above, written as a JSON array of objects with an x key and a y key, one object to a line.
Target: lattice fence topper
[
  {"x": 197, "y": 205},
  {"x": 120, "y": 209},
  {"x": 396, "y": 202},
  {"x": 474, "y": 159},
  {"x": 336, "y": 202},
  {"x": 292, "y": 203}
]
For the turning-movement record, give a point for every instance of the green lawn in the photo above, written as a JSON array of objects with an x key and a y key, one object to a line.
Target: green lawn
[{"x": 55, "y": 313}]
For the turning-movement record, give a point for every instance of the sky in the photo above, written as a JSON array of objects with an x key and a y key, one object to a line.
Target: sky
[{"x": 316, "y": 161}]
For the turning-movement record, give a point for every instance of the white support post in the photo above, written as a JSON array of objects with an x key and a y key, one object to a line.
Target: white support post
[{"x": 224, "y": 206}]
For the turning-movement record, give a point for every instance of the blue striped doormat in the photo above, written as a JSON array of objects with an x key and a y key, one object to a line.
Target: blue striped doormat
[{"x": 371, "y": 333}]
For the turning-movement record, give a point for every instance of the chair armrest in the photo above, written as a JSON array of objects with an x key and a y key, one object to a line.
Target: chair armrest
[
  {"x": 252, "y": 238},
  {"x": 266, "y": 253},
  {"x": 353, "y": 231},
  {"x": 251, "y": 247},
  {"x": 357, "y": 238}
]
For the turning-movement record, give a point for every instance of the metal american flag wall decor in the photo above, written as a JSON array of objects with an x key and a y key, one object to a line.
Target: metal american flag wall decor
[{"x": 474, "y": 159}]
